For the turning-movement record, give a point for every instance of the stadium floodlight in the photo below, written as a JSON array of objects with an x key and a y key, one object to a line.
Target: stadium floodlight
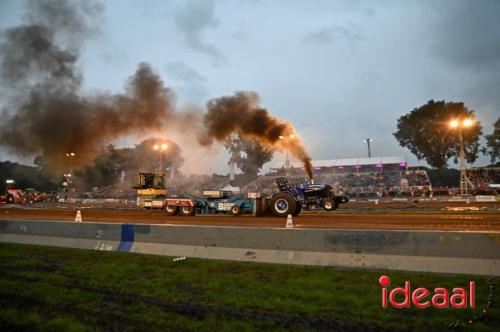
[
  {"x": 367, "y": 141},
  {"x": 287, "y": 159},
  {"x": 156, "y": 147},
  {"x": 164, "y": 146},
  {"x": 468, "y": 122},
  {"x": 465, "y": 123},
  {"x": 9, "y": 181}
]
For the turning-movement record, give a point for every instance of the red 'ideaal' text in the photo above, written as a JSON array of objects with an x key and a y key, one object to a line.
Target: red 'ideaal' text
[{"x": 423, "y": 297}]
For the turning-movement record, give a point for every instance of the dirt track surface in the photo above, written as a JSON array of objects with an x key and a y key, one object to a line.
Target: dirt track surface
[
  {"x": 434, "y": 205},
  {"x": 393, "y": 220}
]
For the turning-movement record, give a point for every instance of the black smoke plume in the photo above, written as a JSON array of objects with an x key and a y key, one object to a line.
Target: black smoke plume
[
  {"x": 242, "y": 114},
  {"x": 46, "y": 111}
]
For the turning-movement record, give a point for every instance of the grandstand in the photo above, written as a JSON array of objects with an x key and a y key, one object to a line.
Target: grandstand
[
  {"x": 484, "y": 179},
  {"x": 371, "y": 177}
]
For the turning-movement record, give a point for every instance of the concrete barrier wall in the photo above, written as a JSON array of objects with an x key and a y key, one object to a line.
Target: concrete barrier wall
[{"x": 449, "y": 252}]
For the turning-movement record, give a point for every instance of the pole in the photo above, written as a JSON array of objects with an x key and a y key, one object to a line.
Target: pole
[
  {"x": 287, "y": 163},
  {"x": 232, "y": 171},
  {"x": 369, "y": 149},
  {"x": 463, "y": 173},
  {"x": 161, "y": 161}
]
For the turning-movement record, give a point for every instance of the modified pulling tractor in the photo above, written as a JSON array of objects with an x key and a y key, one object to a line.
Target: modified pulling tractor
[
  {"x": 292, "y": 199},
  {"x": 151, "y": 193}
]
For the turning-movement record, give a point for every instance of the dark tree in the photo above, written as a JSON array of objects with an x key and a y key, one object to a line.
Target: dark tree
[
  {"x": 426, "y": 132},
  {"x": 248, "y": 155},
  {"x": 492, "y": 148},
  {"x": 103, "y": 172},
  {"x": 25, "y": 177},
  {"x": 145, "y": 159},
  {"x": 108, "y": 165}
]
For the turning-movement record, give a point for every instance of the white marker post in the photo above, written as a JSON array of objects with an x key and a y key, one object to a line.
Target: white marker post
[
  {"x": 78, "y": 217},
  {"x": 289, "y": 221}
]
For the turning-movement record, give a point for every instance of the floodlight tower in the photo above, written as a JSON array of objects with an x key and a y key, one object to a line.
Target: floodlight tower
[
  {"x": 287, "y": 140},
  {"x": 465, "y": 183},
  {"x": 161, "y": 147}
]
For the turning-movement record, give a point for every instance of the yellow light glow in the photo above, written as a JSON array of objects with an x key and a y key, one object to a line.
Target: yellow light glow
[
  {"x": 468, "y": 122},
  {"x": 164, "y": 146},
  {"x": 156, "y": 146},
  {"x": 292, "y": 136},
  {"x": 454, "y": 124},
  {"x": 282, "y": 137}
]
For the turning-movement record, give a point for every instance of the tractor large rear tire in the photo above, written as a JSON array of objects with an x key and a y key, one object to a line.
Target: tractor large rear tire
[
  {"x": 298, "y": 209},
  {"x": 282, "y": 204}
]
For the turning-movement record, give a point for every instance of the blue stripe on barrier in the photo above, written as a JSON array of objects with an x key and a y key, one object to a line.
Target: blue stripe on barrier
[{"x": 127, "y": 237}]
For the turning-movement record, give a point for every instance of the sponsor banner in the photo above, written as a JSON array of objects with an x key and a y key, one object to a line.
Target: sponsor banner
[
  {"x": 486, "y": 198},
  {"x": 457, "y": 199}
]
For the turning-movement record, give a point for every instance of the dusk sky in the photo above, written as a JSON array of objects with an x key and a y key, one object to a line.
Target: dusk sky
[{"x": 340, "y": 71}]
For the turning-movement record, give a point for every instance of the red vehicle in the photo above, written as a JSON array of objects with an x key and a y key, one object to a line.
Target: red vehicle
[
  {"x": 13, "y": 196},
  {"x": 32, "y": 196}
]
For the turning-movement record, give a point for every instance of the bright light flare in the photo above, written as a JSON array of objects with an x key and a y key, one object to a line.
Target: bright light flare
[
  {"x": 468, "y": 122},
  {"x": 291, "y": 136},
  {"x": 164, "y": 146},
  {"x": 156, "y": 147},
  {"x": 462, "y": 123}
]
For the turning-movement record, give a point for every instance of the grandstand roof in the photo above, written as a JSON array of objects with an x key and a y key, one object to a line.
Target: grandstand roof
[{"x": 351, "y": 162}]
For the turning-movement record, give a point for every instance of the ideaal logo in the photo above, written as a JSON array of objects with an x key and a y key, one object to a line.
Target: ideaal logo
[{"x": 421, "y": 297}]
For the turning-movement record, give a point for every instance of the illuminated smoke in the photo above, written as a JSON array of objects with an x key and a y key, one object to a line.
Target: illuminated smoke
[{"x": 242, "y": 114}]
